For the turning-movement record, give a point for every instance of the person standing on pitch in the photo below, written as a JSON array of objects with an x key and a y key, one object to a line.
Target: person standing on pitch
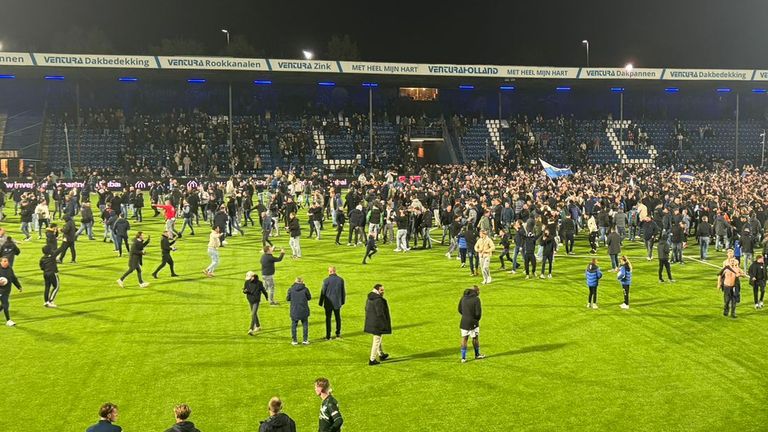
[
  {"x": 484, "y": 248},
  {"x": 214, "y": 243},
  {"x": 333, "y": 295},
  {"x": 166, "y": 247},
  {"x": 120, "y": 234},
  {"x": 613, "y": 241},
  {"x": 663, "y": 252},
  {"x": 625, "y": 278},
  {"x": 471, "y": 311},
  {"x": 7, "y": 278},
  {"x": 136, "y": 259},
  {"x": 50, "y": 275},
  {"x": 253, "y": 289},
  {"x": 294, "y": 231},
  {"x": 593, "y": 275},
  {"x": 69, "y": 230},
  {"x": 277, "y": 421},
  {"x": 107, "y": 416},
  {"x": 268, "y": 261},
  {"x": 377, "y": 322},
  {"x": 299, "y": 297},
  {"x": 330, "y": 416},
  {"x": 370, "y": 247},
  {"x": 727, "y": 281},
  {"x": 169, "y": 212},
  {"x": 757, "y": 276}
]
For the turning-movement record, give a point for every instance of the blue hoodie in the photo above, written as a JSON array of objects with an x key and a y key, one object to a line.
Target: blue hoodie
[
  {"x": 624, "y": 276},
  {"x": 593, "y": 274},
  {"x": 462, "y": 241}
]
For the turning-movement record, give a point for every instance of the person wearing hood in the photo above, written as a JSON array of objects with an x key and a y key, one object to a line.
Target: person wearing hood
[
  {"x": 299, "y": 297},
  {"x": 50, "y": 276},
  {"x": 471, "y": 311},
  {"x": 182, "y": 412},
  {"x": 277, "y": 421},
  {"x": 356, "y": 223},
  {"x": 377, "y": 322},
  {"x": 593, "y": 275},
  {"x": 68, "y": 231},
  {"x": 9, "y": 249},
  {"x": 253, "y": 290}
]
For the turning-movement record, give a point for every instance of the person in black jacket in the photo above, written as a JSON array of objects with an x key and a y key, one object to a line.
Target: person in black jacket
[
  {"x": 340, "y": 220},
  {"x": 299, "y": 297},
  {"x": 471, "y": 311},
  {"x": 294, "y": 231},
  {"x": 120, "y": 234},
  {"x": 9, "y": 250},
  {"x": 529, "y": 252},
  {"x": 651, "y": 233},
  {"x": 277, "y": 421},
  {"x": 757, "y": 276},
  {"x": 370, "y": 247},
  {"x": 69, "y": 231},
  {"x": 356, "y": 223},
  {"x": 6, "y": 272},
  {"x": 548, "y": 253},
  {"x": 107, "y": 416},
  {"x": 664, "y": 260},
  {"x": 182, "y": 413},
  {"x": 703, "y": 233},
  {"x": 50, "y": 275},
  {"x": 166, "y": 247},
  {"x": 136, "y": 259},
  {"x": 377, "y": 322},
  {"x": 253, "y": 290},
  {"x": 567, "y": 232}
]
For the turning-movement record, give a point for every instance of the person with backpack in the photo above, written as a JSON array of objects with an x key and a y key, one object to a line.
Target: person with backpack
[
  {"x": 253, "y": 290},
  {"x": 625, "y": 279},
  {"x": 593, "y": 275},
  {"x": 277, "y": 421}
]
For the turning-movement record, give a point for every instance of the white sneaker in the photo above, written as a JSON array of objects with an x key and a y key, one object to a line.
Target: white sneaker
[
  {"x": 527, "y": 276},
  {"x": 549, "y": 276},
  {"x": 512, "y": 272},
  {"x": 589, "y": 305},
  {"x": 144, "y": 285},
  {"x": 757, "y": 306},
  {"x": 541, "y": 276},
  {"x": 306, "y": 342},
  {"x": 396, "y": 250},
  {"x": 294, "y": 343},
  {"x": 45, "y": 304},
  {"x": 120, "y": 283},
  {"x": 624, "y": 306},
  {"x": 463, "y": 360},
  {"x": 489, "y": 280},
  {"x": 52, "y": 305},
  {"x": 761, "y": 305},
  {"x": 448, "y": 255},
  {"x": 594, "y": 306},
  {"x": 10, "y": 323}
]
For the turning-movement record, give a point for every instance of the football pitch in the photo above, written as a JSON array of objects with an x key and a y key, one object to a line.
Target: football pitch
[{"x": 672, "y": 362}]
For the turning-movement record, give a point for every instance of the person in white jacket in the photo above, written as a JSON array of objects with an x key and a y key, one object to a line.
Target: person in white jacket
[{"x": 43, "y": 217}]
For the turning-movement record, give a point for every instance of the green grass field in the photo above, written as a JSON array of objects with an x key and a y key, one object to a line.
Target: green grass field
[{"x": 670, "y": 363}]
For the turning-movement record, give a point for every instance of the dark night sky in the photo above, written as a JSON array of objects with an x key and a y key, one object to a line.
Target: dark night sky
[{"x": 651, "y": 33}]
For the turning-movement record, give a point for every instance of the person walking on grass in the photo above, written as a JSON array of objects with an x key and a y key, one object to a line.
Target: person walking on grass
[
  {"x": 50, "y": 269},
  {"x": 625, "y": 279},
  {"x": 299, "y": 297},
  {"x": 593, "y": 275},
  {"x": 294, "y": 231},
  {"x": 614, "y": 248},
  {"x": 68, "y": 231},
  {"x": 727, "y": 281},
  {"x": 370, "y": 247},
  {"x": 268, "y": 261},
  {"x": 331, "y": 419},
  {"x": 471, "y": 311},
  {"x": 169, "y": 213},
  {"x": 548, "y": 244},
  {"x": 757, "y": 277},
  {"x": 214, "y": 243},
  {"x": 333, "y": 295},
  {"x": 377, "y": 322},
  {"x": 136, "y": 260},
  {"x": 182, "y": 412},
  {"x": 166, "y": 247},
  {"x": 663, "y": 255},
  {"x": 277, "y": 421},
  {"x": 7, "y": 278},
  {"x": 253, "y": 290}
]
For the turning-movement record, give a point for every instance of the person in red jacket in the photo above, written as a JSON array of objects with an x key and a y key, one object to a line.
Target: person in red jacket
[{"x": 170, "y": 217}]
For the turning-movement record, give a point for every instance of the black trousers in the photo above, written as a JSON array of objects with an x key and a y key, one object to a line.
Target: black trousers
[
  {"x": 626, "y": 294},
  {"x": 504, "y": 254},
  {"x": 758, "y": 286},
  {"x": 130, "y": 270},
  {"x": 339, "y": 229},
  {"x": 329, "y": 310},
  {"x": 369, "y": 253},
  {"x": 569, "y": 240},
  {"x": 664, "y": 263},
  {"x": 592, "y": 295},
  {"x": 66, "y": 244},
  {"x": 167, "y": 259},
  {"x": 729, "y": 298},
  {"x": 51, "y": 286},
  {"x": 593, "y": 240},
  {"x": 546, "y": 259},
  {"x": 530, "y": 260}
]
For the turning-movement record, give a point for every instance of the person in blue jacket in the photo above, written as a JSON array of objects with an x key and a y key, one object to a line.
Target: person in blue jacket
[
  {"x": 462, "y": 242},
  {"x": 625, "y": 279},
  {"x": 593, "y": 275}
]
